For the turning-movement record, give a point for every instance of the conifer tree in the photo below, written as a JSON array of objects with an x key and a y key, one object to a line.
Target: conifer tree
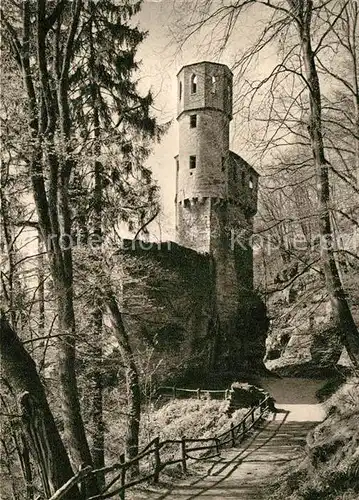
[
  {"x": 116, "y": 124},
  {"x": 75, "y": 62}
]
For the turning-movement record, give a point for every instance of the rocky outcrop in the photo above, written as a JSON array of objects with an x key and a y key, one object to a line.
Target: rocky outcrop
[
  {"x": 243, "y": 395},
  {"x": 330, "y": 469},
  {"x": 301, "y": 340},
  {"x": 170, "y": 306}
]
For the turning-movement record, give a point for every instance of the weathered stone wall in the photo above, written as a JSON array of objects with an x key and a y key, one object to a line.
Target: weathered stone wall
[
  {"x": 242, "y": 184},
  {"x": 168, "y": 304},
  {"x": 216, "y": 94},
  {"x": 208, "y": 142},
  {"x": 178, "y": 303},
  {"x": 194, "y": 223},
  {"x": 241, "y": 314}
]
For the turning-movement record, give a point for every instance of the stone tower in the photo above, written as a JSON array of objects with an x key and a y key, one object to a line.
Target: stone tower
[{"x": 216, "y": 190}]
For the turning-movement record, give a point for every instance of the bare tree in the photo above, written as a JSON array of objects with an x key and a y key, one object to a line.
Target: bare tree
[
  {"x": 36, "y": 37},
  {"x": 302, "y": 36},
  {"x": 38, "y": 425}
]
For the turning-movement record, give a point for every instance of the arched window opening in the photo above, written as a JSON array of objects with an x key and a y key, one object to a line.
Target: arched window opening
[
  {"x": 193, "y": 84},
  {"x": 180, "y": 90},
  {"x": 213, "y": 84},
  {"x": 250, "y": 183}
]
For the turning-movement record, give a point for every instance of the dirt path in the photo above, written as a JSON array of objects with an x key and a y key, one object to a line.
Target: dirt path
[{"x": 243, "y": 472}]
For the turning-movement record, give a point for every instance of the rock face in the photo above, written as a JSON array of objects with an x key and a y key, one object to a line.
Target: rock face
[
  {"x": 301, "y": 340},
  {"x": 170, "y": 303}
]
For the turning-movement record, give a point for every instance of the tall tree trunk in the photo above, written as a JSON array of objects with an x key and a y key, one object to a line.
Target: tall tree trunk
[
  {"x": 98, "y": 441},
  {"x": 50, "y": 125},
  {"x": 98, "y": 446},
  {"x": 40, "y": 288},
  {"x": 353, "y": 28},
  {"x": 55, "y": 221},
  {"x": 8, "y": 287},
  {"x": 341, "y": 310},
  {"x": 38, "y": 424},
  {"x": 132, "y": 379}
]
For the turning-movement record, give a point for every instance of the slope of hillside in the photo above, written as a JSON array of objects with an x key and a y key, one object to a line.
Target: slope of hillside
[
  {"x": 302, "y": 341},
  {"x": 329, "y": 468}
]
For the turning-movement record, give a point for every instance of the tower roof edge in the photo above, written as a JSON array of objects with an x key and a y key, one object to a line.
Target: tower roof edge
[
  {"x": 236, "y": 156},
  {"x": 204, "y": 62}
]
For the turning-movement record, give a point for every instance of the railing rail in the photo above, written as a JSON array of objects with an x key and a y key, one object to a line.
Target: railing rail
[
  {"x": 236, "y": 432},
  {"x": 215, "y": 443},
  {"x": 177, "y": 392}
]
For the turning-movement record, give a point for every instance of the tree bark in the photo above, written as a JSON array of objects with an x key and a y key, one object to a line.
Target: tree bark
[
  {"x": 132, "y": 380},
  {"x": 38, "y": 423},
  {"x": 98, "y": 446},
  {"x": 54, "y": 218},
  {"x": 50, "y": 124},
  {"x": 98, "y": 442},
  {"x": 40, "y": 287},
  {"x": 10, "y": 250},
  {"x": 342, "y": 314}
]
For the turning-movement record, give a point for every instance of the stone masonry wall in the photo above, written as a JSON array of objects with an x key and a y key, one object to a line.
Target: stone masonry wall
[
  {"x": 193, "y": 224},
  {"x": 209, "y": 143},
  {"x": 173, "y": 300}
]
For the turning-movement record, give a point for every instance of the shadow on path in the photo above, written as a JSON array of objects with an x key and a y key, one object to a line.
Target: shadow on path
[
  {"x": 225, "y": 466},
  {"x": 244, "y": 472}
]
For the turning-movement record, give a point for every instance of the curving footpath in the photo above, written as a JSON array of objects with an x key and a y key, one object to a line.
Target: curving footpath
[{"x": 244, "y": 472}]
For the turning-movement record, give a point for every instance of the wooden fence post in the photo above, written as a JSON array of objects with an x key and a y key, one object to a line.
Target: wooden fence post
[
  {"x": 157, "y": 459},
  {"x": 183, "y": 453},
  {"x": 123, "y": 476},
  {"x": 217, "y": 444},
  {"x": 233, "y": 435},
  {"x": 198, "y": 393},
  {"x": 174, "y": 392},
  {"x": 243, "y": 430},
  {"x": 263, "y": 406}
]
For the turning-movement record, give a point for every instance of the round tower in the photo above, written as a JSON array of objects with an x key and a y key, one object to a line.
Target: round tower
[
  {"x": 216, "y": 200},
  {"x": 204, "y": 108}
]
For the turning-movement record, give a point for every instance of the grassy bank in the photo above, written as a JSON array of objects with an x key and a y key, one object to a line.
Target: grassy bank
[{"x": 191, "y": 418}]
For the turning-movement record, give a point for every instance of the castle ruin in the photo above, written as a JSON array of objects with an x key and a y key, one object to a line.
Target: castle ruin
[{"x": 221, "y": 319}]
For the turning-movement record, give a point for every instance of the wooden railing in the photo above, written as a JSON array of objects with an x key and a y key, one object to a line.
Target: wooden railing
[
  {"x": 177, "y": 392},
  {"x": 122, "y": 480}
]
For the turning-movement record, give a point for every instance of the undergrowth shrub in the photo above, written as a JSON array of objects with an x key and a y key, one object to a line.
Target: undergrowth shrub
[
  {"x": 191, "y": 418},
  {"x": 330, "y": 470}
]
